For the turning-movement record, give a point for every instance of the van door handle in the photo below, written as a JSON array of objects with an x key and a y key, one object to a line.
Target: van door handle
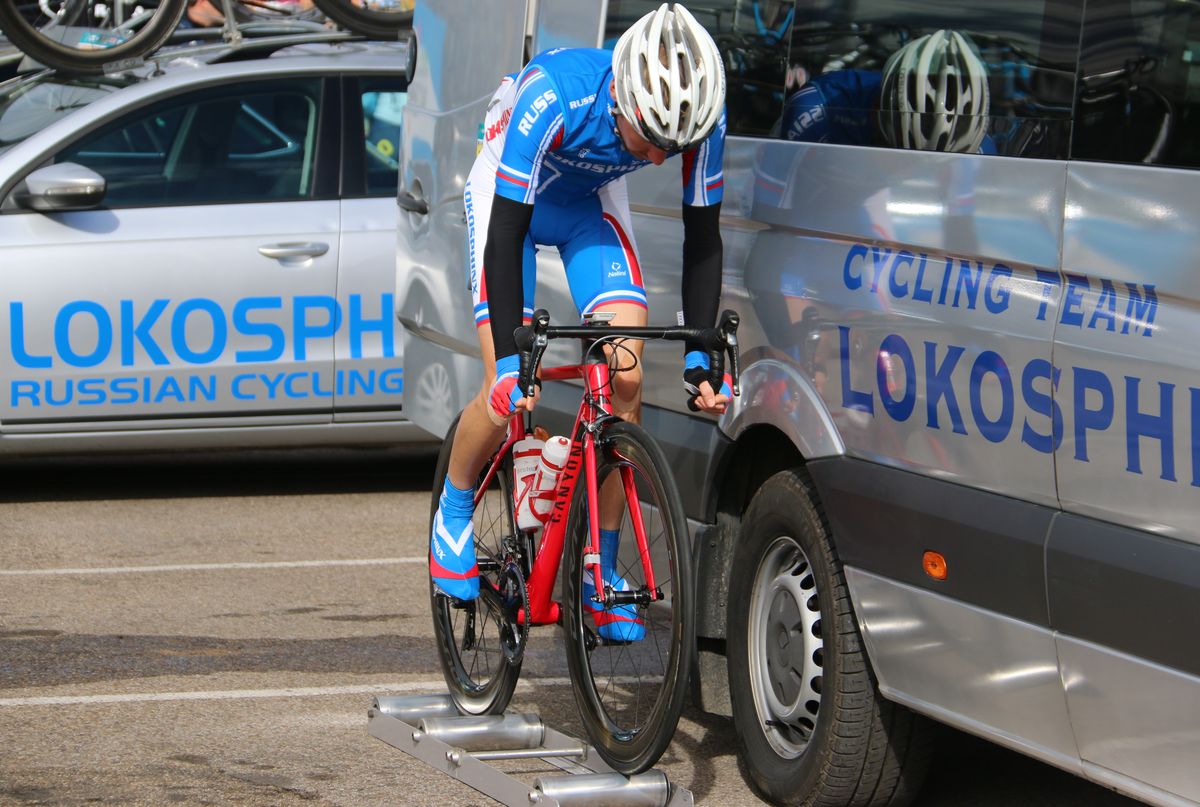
[
  {"x": 294, "y": 249},
  {"x": 411, "y": 203}
]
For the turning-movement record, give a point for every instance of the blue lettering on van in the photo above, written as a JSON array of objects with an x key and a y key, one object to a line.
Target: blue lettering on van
[
  {"x": 975, "y": 285},
  {"x": 193, "y": 331},
  {"x": 188, "y": 388},
  {"x": 1005, "y": 403}
]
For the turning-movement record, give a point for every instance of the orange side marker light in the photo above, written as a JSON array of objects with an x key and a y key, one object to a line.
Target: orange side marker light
[{"x": 935, "y": 565}]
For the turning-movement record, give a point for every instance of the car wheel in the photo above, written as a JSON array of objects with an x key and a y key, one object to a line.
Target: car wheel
[{"x": 812, "y": 727}]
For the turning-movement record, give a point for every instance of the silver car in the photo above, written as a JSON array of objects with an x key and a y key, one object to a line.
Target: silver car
[
  {"x": 961, "y": 480},
  {"x": 200, "y": 251}
]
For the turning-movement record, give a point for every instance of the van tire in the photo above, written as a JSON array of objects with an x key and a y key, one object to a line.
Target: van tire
[{"x": 845, "y": 746}]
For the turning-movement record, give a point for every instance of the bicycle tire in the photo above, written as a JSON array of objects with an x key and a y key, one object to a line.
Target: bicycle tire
[
  {"x": 480, "y": 679},
  {"x": 371, "y": 23},
  {"x": 38, "y": 42},
  {"x": 609, "y": 707}
]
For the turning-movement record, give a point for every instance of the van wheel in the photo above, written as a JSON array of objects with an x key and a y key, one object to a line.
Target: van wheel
[{"x": 811, "y": 725}]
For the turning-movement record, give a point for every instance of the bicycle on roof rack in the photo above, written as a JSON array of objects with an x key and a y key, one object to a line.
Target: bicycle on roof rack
[
  {"x": 630, "y": 686},
  {"x": 98, "y": 36}
]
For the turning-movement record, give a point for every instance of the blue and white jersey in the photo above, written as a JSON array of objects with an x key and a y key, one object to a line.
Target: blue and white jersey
[{"x": 550, "y": 134}]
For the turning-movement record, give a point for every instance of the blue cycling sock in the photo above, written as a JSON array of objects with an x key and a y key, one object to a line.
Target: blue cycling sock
[
  {"x": 610, "y": 542},
  {"x": 452, "y": 545},
  {"x": 456, "y": 503},
  {"x": 619, "y": 623}
]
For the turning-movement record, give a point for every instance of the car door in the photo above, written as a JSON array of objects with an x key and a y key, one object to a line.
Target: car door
[
  {"x": 201, "y": 290},
  {"x": 1123, "y": 561},
  {"x": 369, "y": 367}
]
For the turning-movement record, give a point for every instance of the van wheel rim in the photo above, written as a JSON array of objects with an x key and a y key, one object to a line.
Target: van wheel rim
[{"x": 786, "y": 648}]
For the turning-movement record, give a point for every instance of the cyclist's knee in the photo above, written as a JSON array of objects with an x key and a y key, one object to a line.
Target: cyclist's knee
[{"x": 627, "y": 393}]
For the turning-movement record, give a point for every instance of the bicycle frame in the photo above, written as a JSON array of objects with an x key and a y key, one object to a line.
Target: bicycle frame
[{"x": 594, "y": 407}]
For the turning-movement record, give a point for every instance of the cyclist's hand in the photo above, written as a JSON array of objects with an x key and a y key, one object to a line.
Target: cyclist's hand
[
  {"x": 505, "y": 397},
  {"x": 695, "y": 380}
]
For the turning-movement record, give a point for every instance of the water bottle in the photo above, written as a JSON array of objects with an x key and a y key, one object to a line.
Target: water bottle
[
  {"x": 534, "y": 504},
  {"x": 525, "y": 454}
]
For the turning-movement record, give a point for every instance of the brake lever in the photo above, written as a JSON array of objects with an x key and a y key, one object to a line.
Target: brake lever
[
  {"x": 729, "y": 326},
  {"x": 531, "y": 344}
]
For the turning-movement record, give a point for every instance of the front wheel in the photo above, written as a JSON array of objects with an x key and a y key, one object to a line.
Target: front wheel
[
  {"x": 630, "y": 693},
  {"x": 85, "y": 36},
  {"x": 377, "y": 19},
  {"x": 479, "y": 642},
  {"x": 812, "y": 726}
]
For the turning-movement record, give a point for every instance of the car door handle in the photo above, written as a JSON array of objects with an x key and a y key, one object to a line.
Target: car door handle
[
  {"x": 411, "y": 203},
  {"x": 294, "y": 249}
]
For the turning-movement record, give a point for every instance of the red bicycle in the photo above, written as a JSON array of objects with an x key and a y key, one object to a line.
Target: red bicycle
[{"x": 629, "y": 693}]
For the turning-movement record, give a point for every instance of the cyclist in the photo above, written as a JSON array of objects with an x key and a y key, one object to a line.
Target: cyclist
[{"x": 559, "y": 137}]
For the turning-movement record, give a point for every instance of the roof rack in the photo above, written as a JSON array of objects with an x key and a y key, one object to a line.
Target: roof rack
[{"x": 250, "y": 47}]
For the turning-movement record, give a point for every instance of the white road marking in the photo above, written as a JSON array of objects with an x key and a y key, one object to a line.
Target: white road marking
[
  {"x": 208, "y": 567},
  {"x": 395, "y": 688}
]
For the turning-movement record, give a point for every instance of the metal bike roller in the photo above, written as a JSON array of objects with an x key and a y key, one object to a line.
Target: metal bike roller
[
  {"x": 412, "y": 708},
  {"x": 429, "y": 728},
  {"x": 490, "y": 733},
  {"x": 650, "y": 789}
]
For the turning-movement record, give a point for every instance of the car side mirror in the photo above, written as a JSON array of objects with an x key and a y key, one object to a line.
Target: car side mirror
[{"x": 60, "y": 187}]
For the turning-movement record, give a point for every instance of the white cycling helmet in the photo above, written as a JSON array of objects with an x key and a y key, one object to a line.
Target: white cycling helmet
[
  {"x": 935, "y": 95},
  {"x": 669, "y": 80}
]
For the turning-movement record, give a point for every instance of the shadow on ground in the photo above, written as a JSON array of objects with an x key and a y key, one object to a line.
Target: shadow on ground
[
  {"x": 199, "y": 474},
  {"x": 46, "y": 659}
]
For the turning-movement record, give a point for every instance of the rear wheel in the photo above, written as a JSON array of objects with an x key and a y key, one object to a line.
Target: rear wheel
[
  {"x": 811, "y": 723},
  {"x": 377, "y": 19},
  {"x": 89, "y": 36},
  {"x": 630, "y": 694},
  {"x": 479, "y": 642}
]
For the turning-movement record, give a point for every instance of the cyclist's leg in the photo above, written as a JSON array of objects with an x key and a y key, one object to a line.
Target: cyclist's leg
[
  {"x": 452, "y": 548},
  {"x": 604, "y": 275}
]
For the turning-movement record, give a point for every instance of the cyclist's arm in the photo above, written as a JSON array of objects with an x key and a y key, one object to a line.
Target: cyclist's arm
[
  {"x": 702, "y": 257},
  {"x": 502, "y": 270},
  {"x": 535, "y": 127},
  {"x": 703, "y": 189}
]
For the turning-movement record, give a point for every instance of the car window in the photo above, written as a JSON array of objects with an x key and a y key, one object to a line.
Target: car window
[
  {"x": 252, "y": 143},
  {"x": 28, "y": 106},
  {"x": 1139, "y": 87},
  {"x": 382, "y": 110}
]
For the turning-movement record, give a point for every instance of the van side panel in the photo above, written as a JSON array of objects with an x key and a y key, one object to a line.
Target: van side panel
[
  {"x": 922, "y": 323},
  {"x": 1126, "y": 348},
  {"x": 974, "y": 669},
  {"x": 458, "y": 68}
]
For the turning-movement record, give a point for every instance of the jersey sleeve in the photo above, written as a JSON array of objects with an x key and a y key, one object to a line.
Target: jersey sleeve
[
  {"x": 536, "y": 127},
  {"x": 703, "y": 177},
  {"x": 804, "y": 115}
]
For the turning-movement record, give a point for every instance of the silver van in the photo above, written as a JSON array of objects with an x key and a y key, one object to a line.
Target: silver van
[{"x": 962, "y": 480}]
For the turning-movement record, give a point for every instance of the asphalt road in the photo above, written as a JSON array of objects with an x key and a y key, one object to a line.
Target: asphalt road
[{"x": 210, "y": 629}]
